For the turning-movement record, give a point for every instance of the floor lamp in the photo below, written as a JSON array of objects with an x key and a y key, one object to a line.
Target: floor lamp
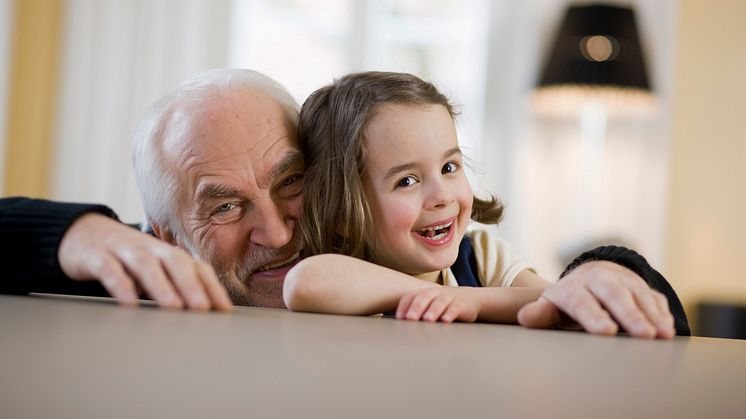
[{"x": 595, "y": 71}]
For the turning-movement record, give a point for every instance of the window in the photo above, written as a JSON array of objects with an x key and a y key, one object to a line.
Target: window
[{"x": 304, "y": 44}]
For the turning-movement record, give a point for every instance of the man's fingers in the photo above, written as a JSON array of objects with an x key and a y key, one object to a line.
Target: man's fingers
[
  {"x": 215, "y": 289},
  {"x": 150, "y": 274},
  {"x": 583, "y": 307},
  {"x": 663, "y": 306},
  {"x": 662, "y": 321},
  {"x": 116, "y": 282},
  {"x": 621, "y": 303},
  {"x": 183, "y": 274},
  {"x": 662, "y": 302},
  {"x": 540, "y": 314},
  {"x": 123, "y": 259}
]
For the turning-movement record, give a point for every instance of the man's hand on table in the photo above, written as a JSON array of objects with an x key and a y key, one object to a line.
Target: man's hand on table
[
  {"x": 601, "y": 296},
  {"x": 124, "y": 260}
]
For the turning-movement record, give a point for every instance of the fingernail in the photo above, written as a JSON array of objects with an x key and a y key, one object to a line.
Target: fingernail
[
  {"x": 200, "y": 301},
  {"x": 604, "y": 322},
  {"x": 646, "y": 330},
  {"x": 174, "y": 301},
  {"x": 130, "y": 301},
  {"x": 607, "y": 326}
]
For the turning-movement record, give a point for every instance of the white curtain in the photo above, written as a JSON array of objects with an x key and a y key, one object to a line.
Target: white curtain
[{"x": 118, "y": 57}]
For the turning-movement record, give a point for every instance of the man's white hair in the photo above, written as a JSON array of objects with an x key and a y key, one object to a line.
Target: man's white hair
[{"x": 157, "y": 184}]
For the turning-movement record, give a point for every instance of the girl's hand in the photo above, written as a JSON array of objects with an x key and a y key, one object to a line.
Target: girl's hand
[{"x": 445, "y": 304}]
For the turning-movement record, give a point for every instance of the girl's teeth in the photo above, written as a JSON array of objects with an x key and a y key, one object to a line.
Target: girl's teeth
[
  {"x": 430, "y": 232},
  {"x": 439, "y": 227}
]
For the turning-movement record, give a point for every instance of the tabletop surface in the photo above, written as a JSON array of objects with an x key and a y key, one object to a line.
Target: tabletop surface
[{"x": 72, "y": 358}]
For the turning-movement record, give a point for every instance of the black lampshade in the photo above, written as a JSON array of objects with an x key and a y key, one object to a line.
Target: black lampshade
[{"x": 597, "y": 45}]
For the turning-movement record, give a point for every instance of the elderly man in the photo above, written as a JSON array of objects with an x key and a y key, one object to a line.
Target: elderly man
[{"x": 221, "y": 174}]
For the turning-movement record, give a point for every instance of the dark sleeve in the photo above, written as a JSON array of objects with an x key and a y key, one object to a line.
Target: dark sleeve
[
  {"x": 30, "y": 233},
  {"x": 637, "y": 264}
]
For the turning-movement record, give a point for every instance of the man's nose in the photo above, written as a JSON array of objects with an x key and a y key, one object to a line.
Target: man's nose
[{"x": 271, "y": 227}]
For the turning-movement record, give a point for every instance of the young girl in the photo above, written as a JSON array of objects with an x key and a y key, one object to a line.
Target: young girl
[{"x": 385, "y": 184}]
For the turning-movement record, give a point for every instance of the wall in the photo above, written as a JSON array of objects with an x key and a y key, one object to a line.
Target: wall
[
  {"x": 32, "y": 77},
  {"x": 706, "y": 237}
]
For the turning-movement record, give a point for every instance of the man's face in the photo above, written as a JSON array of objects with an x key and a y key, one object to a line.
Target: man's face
[{"x": 239, "y": 195}]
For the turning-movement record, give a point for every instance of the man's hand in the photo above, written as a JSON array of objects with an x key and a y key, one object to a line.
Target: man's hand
[
  {"x": 123, "y": 259},
  {"x": 445, "y": 304},
  {"x": 601, "y": 296}
]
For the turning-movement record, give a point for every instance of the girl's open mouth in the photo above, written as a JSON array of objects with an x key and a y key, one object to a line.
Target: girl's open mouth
[{"x": 436, "y": 233}]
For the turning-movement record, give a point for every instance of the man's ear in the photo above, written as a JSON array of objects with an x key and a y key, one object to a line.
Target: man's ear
[{"x": 164, "y": 233}]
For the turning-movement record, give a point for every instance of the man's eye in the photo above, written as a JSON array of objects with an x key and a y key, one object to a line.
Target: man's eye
[
  {"x": 290, "y": 180},
  {"x": 449, "y": 167},
  {"x": 406, "y": 181},
  {"x": 291, "y": 186},
  {"x": 223, "y": 208}
]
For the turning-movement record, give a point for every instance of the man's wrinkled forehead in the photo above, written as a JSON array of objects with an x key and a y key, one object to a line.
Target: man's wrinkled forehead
[{"x": 241, "y": 120}]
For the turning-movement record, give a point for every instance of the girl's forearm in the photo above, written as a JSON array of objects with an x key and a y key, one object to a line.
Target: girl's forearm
[{"x": 340, "y": 284}]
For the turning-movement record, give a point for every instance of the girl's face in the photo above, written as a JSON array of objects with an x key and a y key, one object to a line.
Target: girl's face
[{"x": 416, "y": 188}]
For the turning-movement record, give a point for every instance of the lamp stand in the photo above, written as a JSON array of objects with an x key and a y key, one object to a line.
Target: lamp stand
[{"x": 591, "y": 156}]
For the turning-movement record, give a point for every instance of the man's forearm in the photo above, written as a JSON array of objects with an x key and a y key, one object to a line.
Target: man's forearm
[{"x": 31, "y": 231}]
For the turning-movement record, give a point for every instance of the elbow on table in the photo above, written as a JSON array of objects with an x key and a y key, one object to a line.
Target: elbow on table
[{"x": 300, "y": 290}]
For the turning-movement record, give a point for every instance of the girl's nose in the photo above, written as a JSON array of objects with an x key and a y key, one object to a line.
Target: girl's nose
[{"x": 440, "y": 195}]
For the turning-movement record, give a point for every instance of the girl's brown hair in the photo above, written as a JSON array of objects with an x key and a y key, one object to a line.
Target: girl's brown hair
[{"x": 336, "y": 217}]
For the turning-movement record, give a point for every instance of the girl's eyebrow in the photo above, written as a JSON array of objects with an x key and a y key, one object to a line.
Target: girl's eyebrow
[
  {"x": 406, "y": 166},
  {"x": 451, "y": 152},
  {"x": 400, "y": 168}
]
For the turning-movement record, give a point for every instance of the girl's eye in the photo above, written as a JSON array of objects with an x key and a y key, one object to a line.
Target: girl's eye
[
  {"x": 406, "y": 181},
  {"x": 449, "y": 167}
]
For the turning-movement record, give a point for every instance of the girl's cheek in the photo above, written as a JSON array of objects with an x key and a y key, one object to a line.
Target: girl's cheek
[{"x": 403, "y": 217}]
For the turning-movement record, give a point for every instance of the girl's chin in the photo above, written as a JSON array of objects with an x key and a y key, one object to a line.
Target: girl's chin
[{"x": 438, "y": 265}]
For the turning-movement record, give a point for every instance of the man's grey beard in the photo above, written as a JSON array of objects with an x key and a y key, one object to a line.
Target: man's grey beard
[
  {"x": 233, "y": 284},
  {"x": 236, "y": 281}
]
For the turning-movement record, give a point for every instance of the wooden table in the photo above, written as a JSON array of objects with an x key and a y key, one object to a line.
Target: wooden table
[{"x": 78, "y": 359}]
